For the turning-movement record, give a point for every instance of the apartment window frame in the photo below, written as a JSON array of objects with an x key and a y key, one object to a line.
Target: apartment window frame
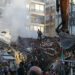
[
  {"x": 37, "y": 7},
  {"x": 37, "y": 19}
]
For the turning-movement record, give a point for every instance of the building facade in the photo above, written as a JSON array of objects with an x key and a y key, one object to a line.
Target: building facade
[
  {"x": 50, "y": 18},
  {"x": 37, "y": 14},
  {"x": 42, "y": 14}
]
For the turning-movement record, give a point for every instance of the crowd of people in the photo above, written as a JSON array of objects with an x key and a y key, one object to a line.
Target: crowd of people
[
  {"x": 32, "y": 68},
  {"x": 7, "y": 70}
]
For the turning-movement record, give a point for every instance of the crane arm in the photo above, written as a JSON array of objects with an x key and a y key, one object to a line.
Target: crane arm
[{"x": 64, "y": 8}]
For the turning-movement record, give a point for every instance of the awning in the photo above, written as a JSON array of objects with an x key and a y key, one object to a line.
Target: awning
[{"x": 8, "y": 57}]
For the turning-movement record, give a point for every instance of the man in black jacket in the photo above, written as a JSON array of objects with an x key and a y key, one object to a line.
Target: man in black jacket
[
  {"x": 39, "y": 34},
  {"x": 21, "y": 69}
]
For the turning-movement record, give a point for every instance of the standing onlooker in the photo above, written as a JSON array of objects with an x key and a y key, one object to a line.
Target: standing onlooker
[
  {"x": 6, "y": 70},
  {"x": 1, "y": 70},
  {"x": 21, "y": 70},
  {"x": 13, "y": 69},
  {"x": 39, "y": 34}
]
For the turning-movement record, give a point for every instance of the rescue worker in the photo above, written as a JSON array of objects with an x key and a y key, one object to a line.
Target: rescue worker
[{"x": 39, "y": 34}]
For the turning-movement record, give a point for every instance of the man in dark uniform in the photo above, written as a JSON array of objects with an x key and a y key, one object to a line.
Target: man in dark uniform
[{"x": 39, "y": 34}]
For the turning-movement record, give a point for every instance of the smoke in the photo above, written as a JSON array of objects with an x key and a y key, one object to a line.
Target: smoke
[{"x": 16, "y": 19}]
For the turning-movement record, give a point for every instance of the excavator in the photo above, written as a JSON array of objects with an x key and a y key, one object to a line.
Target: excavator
[
  {"x": 67, "y": 40},
  {"x": 63, "y": 6}
]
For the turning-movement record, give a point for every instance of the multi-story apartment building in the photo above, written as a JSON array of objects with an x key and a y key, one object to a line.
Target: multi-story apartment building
[
  {"x": 42, "y": 14},
  {"x": 50, "y": 15},
  {"x": 37, "y": 14}
]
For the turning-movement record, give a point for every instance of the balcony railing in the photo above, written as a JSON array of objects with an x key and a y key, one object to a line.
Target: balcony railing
[
  {"x": 37, "y": 21},
  {"x": 33, "y": 11},
  {"x": 41, "y": 22},
  {"x": 37, "y": 11},
  {"x": 39, "y": 0}
]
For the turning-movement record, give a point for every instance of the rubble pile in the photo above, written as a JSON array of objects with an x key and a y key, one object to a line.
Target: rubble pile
[
  {"x": 40, "y": 53},
  {"x": 45, "y": 51}
]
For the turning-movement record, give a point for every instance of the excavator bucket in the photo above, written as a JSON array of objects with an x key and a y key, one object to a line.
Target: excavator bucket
[{"x": 67, "y": 40}]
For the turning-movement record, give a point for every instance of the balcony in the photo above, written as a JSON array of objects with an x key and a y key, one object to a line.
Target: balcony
[
  {"x": 37, "y": 19},
  {"x": 37, "y": 9},
  {"x": 50, "y": 2},
  {"x": 40, "y": 22},
  {"x": 38, "y": 1},
  {"x": 40, "y": 13}
]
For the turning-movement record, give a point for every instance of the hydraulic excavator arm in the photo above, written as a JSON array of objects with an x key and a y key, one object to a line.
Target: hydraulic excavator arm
[
  {"x": 67, "y": 40},
  {"x": 63, "y": 5}
]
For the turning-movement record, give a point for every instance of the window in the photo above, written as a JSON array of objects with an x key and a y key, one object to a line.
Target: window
[
  {"x": 52, "y": 9},
  {"x": 35, "y": 28},
  {"x": 37, "y": 7},
  {"x": 42, "y": 29},
  {"x": 47, "y": 10},
  {"x": 47, "y": 18},
  {"x": 38, "y": 27},
  {"x": 37, "y": 19},
  {"x": 32, "y": 7},
  {"x": 41, "y": 8}
]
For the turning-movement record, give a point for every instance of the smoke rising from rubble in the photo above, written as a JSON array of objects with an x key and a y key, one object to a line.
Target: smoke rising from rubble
[{"x": 16, "y": 19}]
